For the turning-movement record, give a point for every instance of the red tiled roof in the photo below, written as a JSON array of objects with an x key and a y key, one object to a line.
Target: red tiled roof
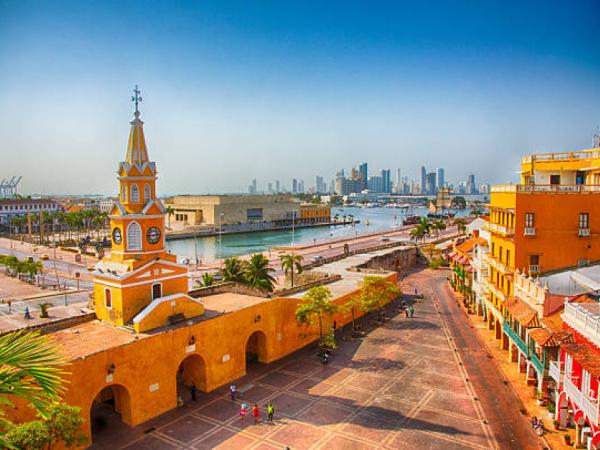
[
  {"x": 522, "y": 312},
  {"x": 589, "y": 359},
  {"x": 543, "y": 337}
]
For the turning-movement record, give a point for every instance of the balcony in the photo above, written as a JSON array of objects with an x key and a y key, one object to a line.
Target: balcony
[
  {"x": 561, "y": 156},
  {"x": 539, "y": 366},
  {"x": 555, "y": 372},
  {"x": 515, "y": 338},
  {"x": 573, "y": 392},
  {"x": 547, "y": 188},
  {"x": 493, "y": 289},
  {"x": 534, "y": 269},
  {"x": 529, "y": 231},
  {"x": 499, "y": 229},
  {"x": 590, "y": 407},
  {"x": 584, "y": 318},
  {"x": 497, "y": 265},
  {"x": 584, "y": 232}
]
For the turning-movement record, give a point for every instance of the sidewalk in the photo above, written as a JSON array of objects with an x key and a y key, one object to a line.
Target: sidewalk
[{"x": 554, "y": 438}]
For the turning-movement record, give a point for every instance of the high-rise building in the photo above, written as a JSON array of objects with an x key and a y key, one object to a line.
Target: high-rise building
[
  {"x": 294, "y": 186},
  {"x": 320, "y": 186},
  {"x": 440, "y": 178},
  {"x": 423, "y": 180},
  {"x": 252, "y": 187},
  {"x": 364, "y": 174},
  {"x": 471, "y": 186},
  {"x": 277, "y": 186},
  {"x": 386, "y": 175},
  {"x": 270, "y": 188},
  {"x": 300, "y": 186},
  {"x": 430, "y": 182},
  {"x": 399, "y": 188}
]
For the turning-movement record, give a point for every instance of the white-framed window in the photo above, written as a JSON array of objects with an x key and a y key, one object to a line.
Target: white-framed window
[
  {"x": 156, "y": 291},
  {"x": 134, "y": 236},
  {"x": 124, "y": 193},
  {"x": 108, "y": 298},
  {"x": 147, "y": 193},
  {"x": 135, "y": 194}
]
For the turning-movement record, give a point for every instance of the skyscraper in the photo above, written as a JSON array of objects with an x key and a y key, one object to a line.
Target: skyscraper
[
  {"x": 364, "y": 174},
  {"x": 430, "y": 183},
  {"x": 277, "y": 186},
  {"x": 294, "y": 186},
  {"x": 440, "y": 178},
  {"x": 399, "y": 187},
  {"x": 423, "y": 180},
  {"x": 386, "y": 175}
]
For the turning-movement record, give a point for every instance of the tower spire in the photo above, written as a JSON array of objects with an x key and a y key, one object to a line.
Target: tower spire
[
  {"x": 137, "y": 99},
  {"x": 136, "y": 147}
]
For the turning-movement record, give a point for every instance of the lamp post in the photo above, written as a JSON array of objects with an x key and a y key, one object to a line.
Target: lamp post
[{"x": 221, "y": 235}]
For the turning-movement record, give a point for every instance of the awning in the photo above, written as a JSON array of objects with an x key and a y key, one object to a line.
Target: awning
[{"x": 589, "y": 359}]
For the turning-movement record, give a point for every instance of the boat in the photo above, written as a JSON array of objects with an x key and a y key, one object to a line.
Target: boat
[{"x": 411, "y": 220}]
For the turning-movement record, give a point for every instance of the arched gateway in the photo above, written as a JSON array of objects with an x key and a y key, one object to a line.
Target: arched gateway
[
  {"x": 256, "y": 349},
  {"x": 110, "y": 411}
]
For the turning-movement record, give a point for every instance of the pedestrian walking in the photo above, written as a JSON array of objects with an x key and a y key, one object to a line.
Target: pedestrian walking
[
  {"x": 232, "y": 392},
  {"x": 27, "y": 313},
  {"x": 270, "y": 412},
  {"x": 256, "y": 413},
  {"x": 412, "y": 311},
  {"x": 406, "y": 311},
  {"x": 193, "y": 390},
  {"x": 243, "y": 411},
  {"x": 416, "y": 292}
]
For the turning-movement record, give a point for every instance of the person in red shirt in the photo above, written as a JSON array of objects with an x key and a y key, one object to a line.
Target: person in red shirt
[{"x": 256, "y": 413}]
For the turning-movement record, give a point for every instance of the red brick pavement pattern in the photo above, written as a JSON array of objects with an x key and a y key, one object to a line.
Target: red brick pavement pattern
[{"x": 400, "y": 387}]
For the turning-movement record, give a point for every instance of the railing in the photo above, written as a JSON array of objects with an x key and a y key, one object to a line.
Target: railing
[
  {"x": 496, "y": 264},
  {"x": 555, "y": 372},
  {"x": 533, "y": 358},
  {"x": 584, "y": 232},
  {"x": 548, "y": 188},
  {"x": 529, "y": 231},
  {"x": 590, "y": 407},
  {"x": 534, "y": 269},
  {"x": 584, "y": 319},
  {"x": 493, "y": 309},
  {"x": 573, "y": 392},
  {"x": 499, "y": 229},
  {"x": 516, "y": 338},
  {"x": 562, "y": 156}
]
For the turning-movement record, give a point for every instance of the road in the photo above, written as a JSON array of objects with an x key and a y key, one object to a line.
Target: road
[
  {"x": 59, "y": 299},
  {"x": 500, "y": 404}
]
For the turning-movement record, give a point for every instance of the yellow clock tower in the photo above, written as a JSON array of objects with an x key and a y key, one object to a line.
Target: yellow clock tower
[{"x": 140, "y": 284}]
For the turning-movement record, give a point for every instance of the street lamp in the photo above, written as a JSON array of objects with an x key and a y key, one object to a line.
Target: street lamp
[{"x": 221, "y": 235}]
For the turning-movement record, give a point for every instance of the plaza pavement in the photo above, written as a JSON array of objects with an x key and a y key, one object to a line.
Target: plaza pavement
[{"x": 401, "y": 387}]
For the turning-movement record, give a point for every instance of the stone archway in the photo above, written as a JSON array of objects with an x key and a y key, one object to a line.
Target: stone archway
[
  {"x": 498, "y": 329},
  {"x": 109, "y": 412},
  {"x": 256, "y": 349},
  {"x": 191, "y": 372}
]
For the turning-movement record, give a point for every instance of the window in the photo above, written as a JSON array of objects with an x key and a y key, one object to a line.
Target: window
[
  {"x": 508, "y": 257},
  {"x": 554, "y": 180},
  {"x": 147, "y": 193},
  {"x": 134, "y": 236},
  {"x": 584, "y": 220},
  {"x": 107, "y": 298},
  {"x": 529, "y": 220},
  {"x": 124, "y": 193},
  {"x": 534, "y": 260},
  {"x": 156, "y": 291},
  {"x": 135, "y": 194}
]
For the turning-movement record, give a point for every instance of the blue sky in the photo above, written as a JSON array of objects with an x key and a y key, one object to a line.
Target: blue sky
[{"x": 240, "y": 90}]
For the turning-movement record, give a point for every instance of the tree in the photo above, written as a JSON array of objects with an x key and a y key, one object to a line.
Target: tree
[
  {"x": 376, "y": 292},
  {"x": 315, "y": 309},
  {"x": 419, "y": 233},
  {"x": 61, "y": 425},
  {"x": 438, "y": 226},
  {"x": 458, "y": 202},
  {"x": 30, "y": 369},
  {"x": 169, "y": 211},
  {"x": 291, "y": 263},
  {"x": 258, "y": 273},
  {"x": 233, "y": 270},
  {"x": 461, "y": 224},
  {"x": 353, "y": 305}
]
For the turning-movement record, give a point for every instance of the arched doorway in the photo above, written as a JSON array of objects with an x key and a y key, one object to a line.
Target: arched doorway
[
  {"x": 256, "y": 349},
  {"x": 110, "y": 412},
  {"x": 191, "y": 372}
]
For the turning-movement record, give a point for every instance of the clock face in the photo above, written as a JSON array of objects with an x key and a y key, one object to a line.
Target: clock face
[
  {"x": 116, "y": 236},
  {"x": 153, "y": 235}
]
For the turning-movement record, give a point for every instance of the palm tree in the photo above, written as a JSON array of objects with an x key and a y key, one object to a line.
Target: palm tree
[
  {"x": 208, "y": 279},
  {"x": 426, "y": 224},
  {"x": 438, "y": 226},
  {"x": 291, "y": 263},
  {"x": 169, "y": 211},
  {"x": 233, "y": 270},
  {"x": 30, "y": 369},
  {"x": 419, "y": 233},
  {"x": 461, "y": 224},
  {"x": 258, "y": 273}
]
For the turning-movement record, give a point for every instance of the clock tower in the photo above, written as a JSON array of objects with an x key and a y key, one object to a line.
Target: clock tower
[{"x": 139, "y": 270}]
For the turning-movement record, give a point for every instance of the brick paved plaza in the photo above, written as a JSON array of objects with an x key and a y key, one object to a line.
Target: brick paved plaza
[{"x": 402, "y": 386}]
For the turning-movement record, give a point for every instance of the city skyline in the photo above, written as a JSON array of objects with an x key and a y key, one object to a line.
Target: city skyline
[{"x": 287, "y": 91}]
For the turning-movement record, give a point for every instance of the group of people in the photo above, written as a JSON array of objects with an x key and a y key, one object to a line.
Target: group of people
[{"x": 244, "y": 408}]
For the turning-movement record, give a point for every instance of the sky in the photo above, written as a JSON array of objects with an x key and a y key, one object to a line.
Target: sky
[{"x": 275, "y": 90}]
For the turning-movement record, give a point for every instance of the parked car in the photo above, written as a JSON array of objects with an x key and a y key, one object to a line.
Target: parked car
[
  {"x": 316, "y": 258},
  {"x": 44, "y": 257}
]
